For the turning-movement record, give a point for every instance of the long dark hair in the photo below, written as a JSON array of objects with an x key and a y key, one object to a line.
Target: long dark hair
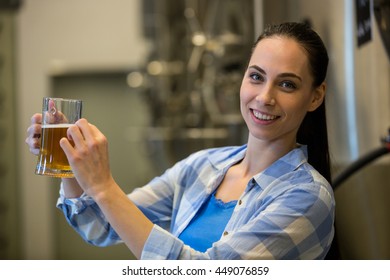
[{"x": 313, "y": 130}]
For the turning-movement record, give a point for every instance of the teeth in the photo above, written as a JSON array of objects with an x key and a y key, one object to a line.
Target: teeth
[{"x": 263, "y": 117}]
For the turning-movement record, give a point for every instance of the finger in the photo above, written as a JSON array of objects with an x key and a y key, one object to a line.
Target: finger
[
  {"x": 53, "y": 115},
  {"x": 74, "y": 134},
  {"x": 51, "y": 112},
  {"x": 36, "y": 119},
  {"x": 60, "y": 117},
  {"x": 34, "y": 130},
  {"x": 34, "y": 151},
  {"x": 48, "y": 118},
  {"x": 67, "y": 147},
  {"x": 33, "y": 139},
  {"x": 57, "y": 116},
  {"x": 34, "y": 145},
  {"x": 87, "y": 129}
]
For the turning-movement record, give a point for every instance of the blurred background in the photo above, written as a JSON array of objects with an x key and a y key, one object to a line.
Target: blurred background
[{"x": 161, "y": 79}]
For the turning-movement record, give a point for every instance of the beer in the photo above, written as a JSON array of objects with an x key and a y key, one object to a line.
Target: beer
[{"x": 52, "y": 160}]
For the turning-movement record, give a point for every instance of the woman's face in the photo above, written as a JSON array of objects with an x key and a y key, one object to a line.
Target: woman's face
[{"x": 277, "y": 92}]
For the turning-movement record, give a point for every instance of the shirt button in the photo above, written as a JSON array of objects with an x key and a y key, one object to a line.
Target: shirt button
[
  {"x": 240, "y": 202},
  {"x": 225, "y": 233}
]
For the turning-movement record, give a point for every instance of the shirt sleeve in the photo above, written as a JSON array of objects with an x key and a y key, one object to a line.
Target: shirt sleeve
[
  {"x": 86, "y": 218},
  {"x": 154, "y": 200}
]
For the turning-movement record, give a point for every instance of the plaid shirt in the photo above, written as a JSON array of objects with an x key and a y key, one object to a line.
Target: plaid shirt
[{"x": 285, "y": 212}]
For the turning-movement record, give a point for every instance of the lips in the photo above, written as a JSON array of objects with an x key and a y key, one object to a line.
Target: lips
[{"x": 263, "y": 116}]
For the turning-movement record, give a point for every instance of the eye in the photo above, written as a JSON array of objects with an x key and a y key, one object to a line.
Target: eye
[
  {"x": 288, "y": 85},
  {"x": 256, "y": 77}
]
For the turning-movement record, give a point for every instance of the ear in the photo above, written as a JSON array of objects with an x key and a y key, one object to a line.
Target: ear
[{"x": 318, "y": 97}]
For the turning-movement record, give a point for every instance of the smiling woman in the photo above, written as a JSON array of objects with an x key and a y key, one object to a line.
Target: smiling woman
[
  {"x": 268, "y": 199},
  {"x": 313, "y": 130},
  {"x": 277, "y": 92}
]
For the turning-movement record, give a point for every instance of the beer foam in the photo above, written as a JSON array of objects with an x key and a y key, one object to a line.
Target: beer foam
[{"x": 59, "y": 125}]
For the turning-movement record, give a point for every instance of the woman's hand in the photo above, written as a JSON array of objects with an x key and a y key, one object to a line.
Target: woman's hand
[
  {"x": 88, "y": 157},
  {"x": 33, "y": 139},
  {"x": 34, "y": 131}
]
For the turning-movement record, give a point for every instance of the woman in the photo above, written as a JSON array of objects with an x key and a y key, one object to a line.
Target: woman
[{"x": 268, "y": 199}]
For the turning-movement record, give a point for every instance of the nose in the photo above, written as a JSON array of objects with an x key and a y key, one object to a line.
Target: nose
[{"x": 266, "y": 96}]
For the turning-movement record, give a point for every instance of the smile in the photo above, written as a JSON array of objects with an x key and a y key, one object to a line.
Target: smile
[{"x": 264, "y": 117}]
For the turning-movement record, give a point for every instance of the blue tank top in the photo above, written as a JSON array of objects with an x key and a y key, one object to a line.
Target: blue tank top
[{"x": 208, "y": 224}]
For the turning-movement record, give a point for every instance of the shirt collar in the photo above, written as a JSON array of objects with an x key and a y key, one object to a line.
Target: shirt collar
[
  {"x": 287, "y": 163},
  {"x": 227, "y": 156}
]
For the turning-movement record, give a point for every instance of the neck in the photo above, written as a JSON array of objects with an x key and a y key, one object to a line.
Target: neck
[{"x": 261, "y": 154}]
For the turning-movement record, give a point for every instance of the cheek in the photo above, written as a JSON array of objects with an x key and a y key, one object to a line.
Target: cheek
[
  {"x": 244, "y": 99},
  {"x": 296, "y": 117},
  {"x": 296, "y": 114},
  {"x": 242, "y": 103},
  {"x": 244, "y": 94}
]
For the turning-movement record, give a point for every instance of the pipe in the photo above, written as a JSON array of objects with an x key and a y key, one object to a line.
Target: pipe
[{"x": 361, "y": 162}]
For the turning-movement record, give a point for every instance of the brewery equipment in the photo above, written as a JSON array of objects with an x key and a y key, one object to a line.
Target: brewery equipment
[{"x": 193, "y": 74}]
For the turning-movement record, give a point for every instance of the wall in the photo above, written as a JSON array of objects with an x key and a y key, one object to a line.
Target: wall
[
  {"x": 56, "y": 36},
  {"x": 9, "y": 231}
]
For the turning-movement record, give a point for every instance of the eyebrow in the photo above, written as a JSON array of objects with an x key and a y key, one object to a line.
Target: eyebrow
[{"x": 283, "y": 75}]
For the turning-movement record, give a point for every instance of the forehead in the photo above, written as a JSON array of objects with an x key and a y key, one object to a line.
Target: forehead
[{"x": 281, "y": 54}]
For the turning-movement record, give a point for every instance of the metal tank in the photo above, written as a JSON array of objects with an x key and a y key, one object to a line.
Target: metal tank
[{"x": 358, "y": 111}]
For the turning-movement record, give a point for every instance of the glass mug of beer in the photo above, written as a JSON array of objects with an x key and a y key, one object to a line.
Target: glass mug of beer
[{"x": 58, "y": 114}]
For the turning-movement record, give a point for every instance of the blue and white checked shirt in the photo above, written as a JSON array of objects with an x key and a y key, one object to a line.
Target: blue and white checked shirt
[{"x": 285, "y": 212}]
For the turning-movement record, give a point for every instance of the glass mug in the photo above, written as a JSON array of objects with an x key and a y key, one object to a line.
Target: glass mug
[{"x": 58, "y": 114}]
